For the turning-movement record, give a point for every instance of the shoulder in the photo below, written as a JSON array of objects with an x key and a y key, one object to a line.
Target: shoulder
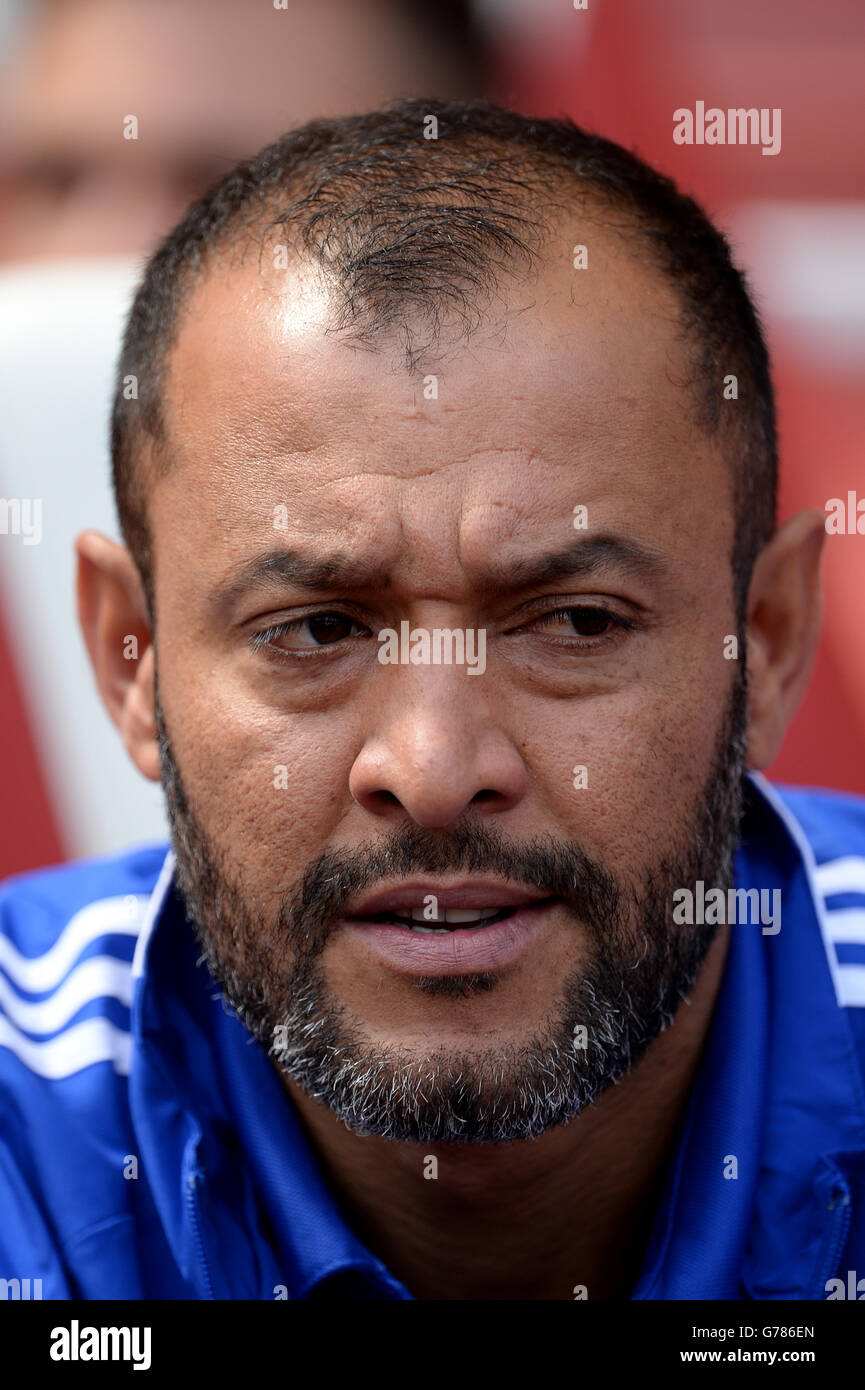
[
  {"x": 67, "y": 941},
  {"x": 37, "y": 907},
  {"x": 833, "y": 822},
  {"x": 830, "y": 830},
  {"x": 67, "y": 938}
]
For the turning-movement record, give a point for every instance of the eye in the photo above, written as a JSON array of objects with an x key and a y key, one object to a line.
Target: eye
[
  {"x": 304, "y": 636},
  {"x": 582, "y": 621}
]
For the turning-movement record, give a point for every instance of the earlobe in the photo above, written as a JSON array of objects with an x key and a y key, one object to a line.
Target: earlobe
[
  {"x": 113, "y": 614},
  {"x": 783, "y": 631},
  {"x": 138, "y": 723}
]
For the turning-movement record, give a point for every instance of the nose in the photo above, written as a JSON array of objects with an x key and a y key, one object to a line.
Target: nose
[{"x": 438, "y": 750}]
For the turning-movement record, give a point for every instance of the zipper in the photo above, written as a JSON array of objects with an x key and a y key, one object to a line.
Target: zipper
[
  {"x": 840, "y": 1208},
  {"x": 191, "y": 1198}
]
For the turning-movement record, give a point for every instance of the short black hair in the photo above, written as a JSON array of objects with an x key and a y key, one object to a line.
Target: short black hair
[{"x": 412, "y": 228}]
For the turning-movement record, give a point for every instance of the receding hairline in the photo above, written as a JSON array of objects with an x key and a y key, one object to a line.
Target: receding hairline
[{"x": 239, "y": 245}]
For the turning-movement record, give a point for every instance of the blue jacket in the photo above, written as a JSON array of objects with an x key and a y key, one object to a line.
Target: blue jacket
[{"x": 148, "y": 1149}]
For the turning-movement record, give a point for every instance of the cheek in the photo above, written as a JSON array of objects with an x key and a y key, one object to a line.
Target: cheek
[
  {"x": 620, "y": 773},
  {"x": 268, "y": 787}
]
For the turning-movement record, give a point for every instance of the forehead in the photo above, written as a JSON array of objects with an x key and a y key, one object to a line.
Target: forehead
[{"x": 577, "y": 383}]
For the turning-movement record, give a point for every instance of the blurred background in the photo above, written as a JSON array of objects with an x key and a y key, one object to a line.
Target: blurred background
[{"x": 209, "y": 82}]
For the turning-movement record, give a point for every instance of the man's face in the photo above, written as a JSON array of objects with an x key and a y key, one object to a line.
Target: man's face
[{"x": 316, "y": 790}]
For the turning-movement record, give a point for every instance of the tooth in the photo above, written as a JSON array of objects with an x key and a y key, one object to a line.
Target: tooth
[
  {"x": 427, "y": 930},
  {"x": 459, "y": 914},
  {"x": 419, "y": 914}
]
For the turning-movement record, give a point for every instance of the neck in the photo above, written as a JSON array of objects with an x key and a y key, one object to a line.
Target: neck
[{"x": 533, "y": 1219}]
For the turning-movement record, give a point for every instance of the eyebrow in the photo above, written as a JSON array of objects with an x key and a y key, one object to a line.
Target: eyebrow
[
  {"x": 277, "y": 569},
  {"x": 594, "y": 555}
]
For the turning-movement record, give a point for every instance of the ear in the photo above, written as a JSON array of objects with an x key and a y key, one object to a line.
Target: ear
[
  {"x": 783, "y": 629},
  {"x": 112, "y": 610}
]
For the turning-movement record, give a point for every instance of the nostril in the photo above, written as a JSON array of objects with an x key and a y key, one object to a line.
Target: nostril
[{"x": 379, "y": 800}]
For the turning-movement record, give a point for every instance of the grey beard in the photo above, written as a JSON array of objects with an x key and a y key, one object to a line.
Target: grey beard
[{"x": 640, "y": 966}]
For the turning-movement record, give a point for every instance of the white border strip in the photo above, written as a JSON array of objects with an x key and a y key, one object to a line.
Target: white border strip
[
  {"x": 845, "y": 875},
  {"x": 95, "y": 1040},
  {"x": 100, "y": 977},
  {"x": 846, "y": 925},
  {"x": 117, "y": 916},
  {"x": 154, "y": 907}
]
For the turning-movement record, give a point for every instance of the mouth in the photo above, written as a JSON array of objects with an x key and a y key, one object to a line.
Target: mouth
[
  {"x": 441, "y": 923},
  {"x": 435, "y": 929}
]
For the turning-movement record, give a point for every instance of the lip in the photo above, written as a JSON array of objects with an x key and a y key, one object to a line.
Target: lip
[
  {"x": 472, "y": 894},
  {"x": 457, "y": 952}
]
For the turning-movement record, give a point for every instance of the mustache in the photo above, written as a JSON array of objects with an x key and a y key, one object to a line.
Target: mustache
[{"x": 557, "y": 869}]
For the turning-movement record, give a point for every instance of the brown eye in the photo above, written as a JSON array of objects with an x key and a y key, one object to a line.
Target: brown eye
[
  {"x": 305, "y": 636},
  {"x": 590, "y": 622},
  {"x": 329, "y": 627},
  {"x": 580, "y": 621}
]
